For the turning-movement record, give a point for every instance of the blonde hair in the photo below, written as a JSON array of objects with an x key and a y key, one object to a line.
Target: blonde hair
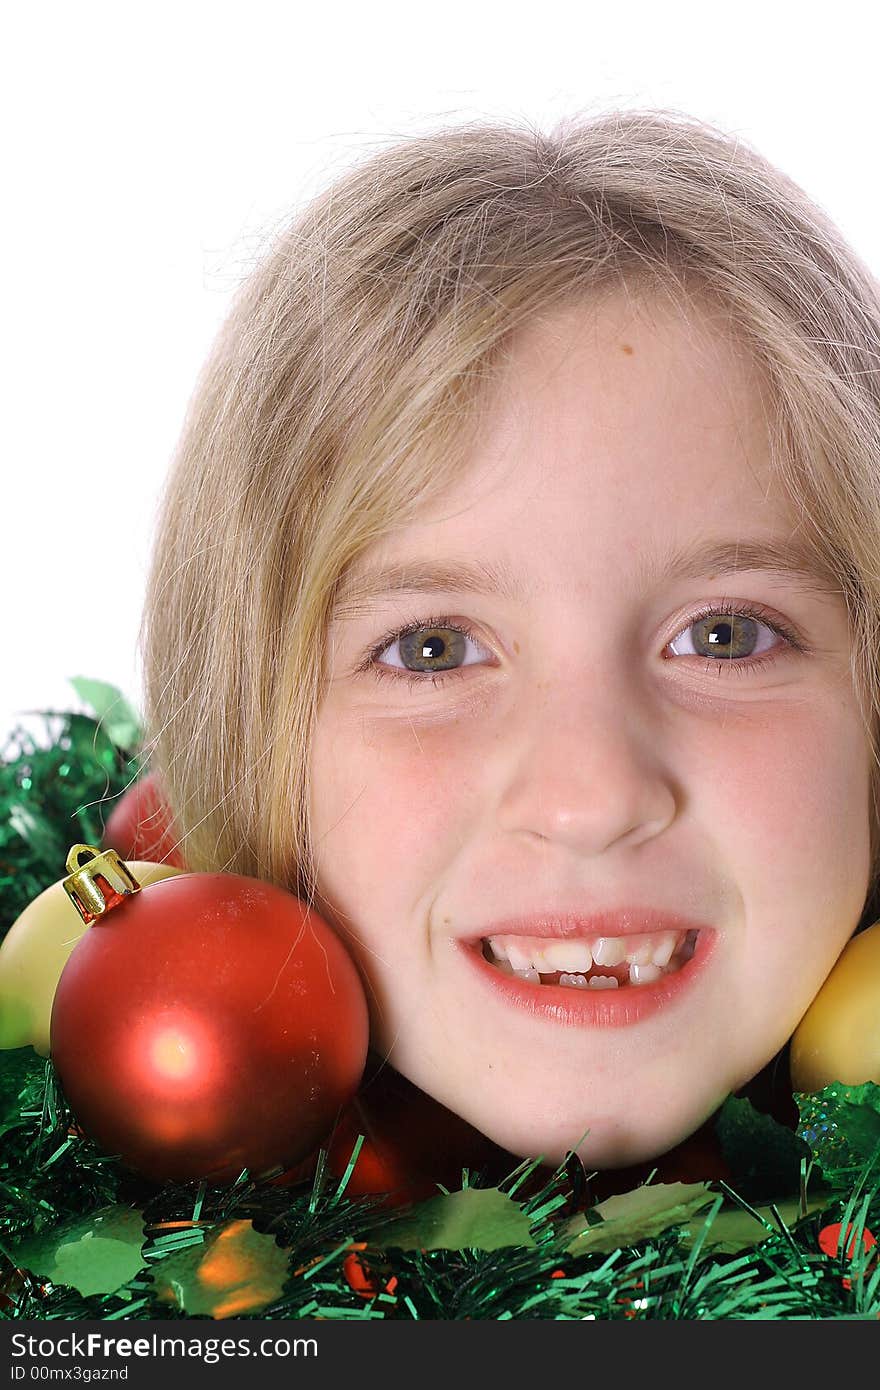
[{"x": 344, "y": 389}]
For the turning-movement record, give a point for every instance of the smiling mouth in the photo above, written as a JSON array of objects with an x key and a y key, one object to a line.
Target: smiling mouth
[{"x": 605, "y": 962}]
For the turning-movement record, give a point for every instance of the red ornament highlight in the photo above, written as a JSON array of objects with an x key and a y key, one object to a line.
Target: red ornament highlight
[{"x": 209, "y": 1023}]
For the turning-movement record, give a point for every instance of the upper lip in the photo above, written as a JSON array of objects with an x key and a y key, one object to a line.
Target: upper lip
[{"x": 619, "y": 921}]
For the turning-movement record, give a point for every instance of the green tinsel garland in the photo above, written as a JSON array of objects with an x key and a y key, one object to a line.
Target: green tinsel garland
[{"x": 82, "y": 1238}]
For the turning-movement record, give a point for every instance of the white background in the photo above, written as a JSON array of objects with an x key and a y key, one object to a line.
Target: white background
[{"x": 150, "y": 149}]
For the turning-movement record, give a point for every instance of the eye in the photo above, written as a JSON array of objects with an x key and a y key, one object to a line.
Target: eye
[
  {"x": 729, "y": 635},
  {"x": 431, "y": 647}
]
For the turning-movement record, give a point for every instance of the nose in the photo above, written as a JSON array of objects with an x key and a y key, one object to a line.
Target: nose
[{"x": 583, "y": 770}]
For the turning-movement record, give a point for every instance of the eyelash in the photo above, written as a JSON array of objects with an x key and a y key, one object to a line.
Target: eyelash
[{"x": 724, "y": 608}]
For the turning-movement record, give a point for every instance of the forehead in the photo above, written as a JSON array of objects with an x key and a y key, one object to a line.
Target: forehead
[
  {"x": 628, "y": 362},
  {"x": 629, "y": 412},
  {"x": 616, "y": 436}
]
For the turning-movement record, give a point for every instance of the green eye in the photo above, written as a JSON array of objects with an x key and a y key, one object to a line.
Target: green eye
[
  {"x": 440, "y": 648},
  {"x": 731, "y": 636}
]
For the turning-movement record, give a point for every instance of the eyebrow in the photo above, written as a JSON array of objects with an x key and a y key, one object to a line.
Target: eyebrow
[{"x": 792, "y": 561}]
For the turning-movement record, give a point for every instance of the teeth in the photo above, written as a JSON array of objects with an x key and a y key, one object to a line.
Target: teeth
[
  {"x": 651, "y": 950},
  {"x": 609, "y": 950},
  {"x": 648, "y": 956},
  {"x": 663, "y": 948},
  {"x": 644, "y": 974},
  {"x": 563, "y": 955},
  {"x": 498, "y": 947},
  {"x": 640, "y": 950},
  {"x": 520, "y": 956}
]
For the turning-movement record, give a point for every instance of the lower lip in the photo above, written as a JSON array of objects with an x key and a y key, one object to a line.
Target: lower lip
[{"x": 592, "y": 1008}]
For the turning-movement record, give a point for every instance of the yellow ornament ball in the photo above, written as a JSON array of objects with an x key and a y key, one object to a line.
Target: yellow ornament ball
[
  {"x": 33, "y": 954},
  {"x": 838, "y": 1038}
]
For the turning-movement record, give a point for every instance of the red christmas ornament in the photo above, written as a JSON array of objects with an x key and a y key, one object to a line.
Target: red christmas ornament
[
  {"x": 140, "y": 825},
  {"x": 367, "y": 1280},
  {"x": 831, "y": 1243},
  {"x": 411, "y": 1143},
  {"x": 830, "y": 1240},
  {"x": 217, "y": 1026}
]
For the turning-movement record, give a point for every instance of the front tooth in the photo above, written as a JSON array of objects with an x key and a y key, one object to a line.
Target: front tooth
[
  {"x": 603, "y": 982},
  {"x": 529, "y": 974},
  {"x": 579, "y": 981},
  {"x": 664, "y": 945},
  {"x": 644, "y": 974},
  {"x": 609, "y": 950},
  {"x": 563, "y": 955}
]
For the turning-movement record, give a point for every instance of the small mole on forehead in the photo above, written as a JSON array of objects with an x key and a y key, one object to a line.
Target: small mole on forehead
[{"x": 625, "y": 347}]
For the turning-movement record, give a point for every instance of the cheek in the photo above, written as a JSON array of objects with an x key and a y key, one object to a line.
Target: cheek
[
  {"x": 794, "y": 788},
  {"x": 390, "y": 802},
  {"x": 790, "y": 803}
]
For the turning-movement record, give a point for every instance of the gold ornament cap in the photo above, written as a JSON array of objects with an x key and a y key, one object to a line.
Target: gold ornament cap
[{"x": 86, "y": 866}]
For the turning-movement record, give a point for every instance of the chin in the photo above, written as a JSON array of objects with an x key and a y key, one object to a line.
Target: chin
[
  {"x": 600, "y": 1142},
  {"x": 619, "y": 1128},
  {"x": 613, "y": 1146}
]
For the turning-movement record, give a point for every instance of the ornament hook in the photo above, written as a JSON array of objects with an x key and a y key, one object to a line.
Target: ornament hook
[{"x": 91, "y": 873}]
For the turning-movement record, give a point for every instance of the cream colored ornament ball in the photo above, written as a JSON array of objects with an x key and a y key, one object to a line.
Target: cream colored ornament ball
[
  {"x": 33, "y": 954},
  {"x": 838, "y": 1038}
]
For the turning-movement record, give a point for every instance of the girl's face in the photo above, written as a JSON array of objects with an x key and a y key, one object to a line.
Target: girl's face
[{"x": 629, "y": 744}]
